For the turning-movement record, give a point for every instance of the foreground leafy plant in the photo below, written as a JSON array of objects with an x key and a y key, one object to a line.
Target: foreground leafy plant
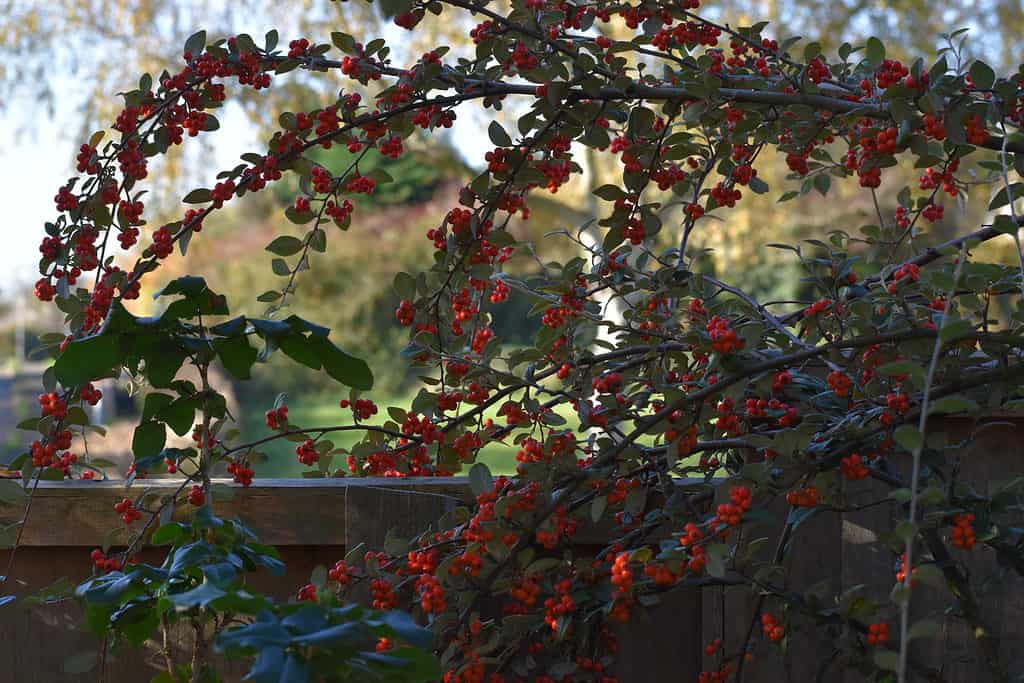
[{"x": 698, "y": 394}]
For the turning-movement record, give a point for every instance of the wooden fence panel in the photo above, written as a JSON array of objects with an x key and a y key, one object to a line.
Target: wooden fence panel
[
  {"x": 314, "y": 522},
  {"x": 311, "y": 522}
]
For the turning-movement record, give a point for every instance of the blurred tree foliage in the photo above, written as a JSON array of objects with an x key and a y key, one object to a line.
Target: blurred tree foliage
[
  {"x": 350, "y": 286},
  {"x": 90, "y": 39}
]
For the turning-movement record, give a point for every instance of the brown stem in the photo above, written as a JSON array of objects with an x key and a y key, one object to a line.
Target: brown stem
[{"x": 198, "y": 650}]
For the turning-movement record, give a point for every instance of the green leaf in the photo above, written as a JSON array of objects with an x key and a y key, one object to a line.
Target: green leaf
[
  {"x": 298, "y": 348},
  {"x": 887, "y": 660},
  {"x": 11, "y": 492},
  {"x": 196, "y": 43},
  {"x": 201, "y": 595},
  {"x": 285, "y": 245},
  {"x": 903, "y": 367},
  {"x": 407, "y": 629},
  {"x": 717, "y": 554},
  {"x": 179, "y": 415},
  {"x": 189, "y": 286},
  {"x": 931, "y": 575},
  {"x": 280, "y": 267},
  {"x": 901, "y": 495},
  {"x": 1005, "y": 224},
  {"x": 342, "y": 366},
  {"x": 908, "y": 437},
  {"x": 982, "y": 75},
  {"x": 610, "y": 193},
  {"x": 1006, "y": 195},
  {"x": 905, "y": 530},
  {"x": 953, "y": 404},
  {"x": 169, "y": 533},
  {"x": 498, "y": 135},
  {"x": 391, "y": 8},
  {"x": 162, "y": 363},
  {"x": 405, "y": 285},
  {"x": 480, "y": 479},
  {"x": 271, "y": 39},
  {"x": 924, "y": 629},
  {"x": 88, "y": 359},
  {"x": 954, "y": 329},
  {"x": 149, "y": 439},
  {"x": 154, "y": 403},
  {"x": 237, "y": 355},
  {"x": 874, "y": 51},
  {"x": 344, "y": 42},
  {"x": 198, "y": 196}
]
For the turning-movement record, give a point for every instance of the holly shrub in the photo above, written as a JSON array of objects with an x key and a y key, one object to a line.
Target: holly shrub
[{"x": 701, "y": 410}]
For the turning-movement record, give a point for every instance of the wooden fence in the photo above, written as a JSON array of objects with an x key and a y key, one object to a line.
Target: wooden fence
[{"x": 312, "y": 522}]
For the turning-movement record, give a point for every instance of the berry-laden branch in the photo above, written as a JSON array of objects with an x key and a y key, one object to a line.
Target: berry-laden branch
[{"x": 700, "y": 377}]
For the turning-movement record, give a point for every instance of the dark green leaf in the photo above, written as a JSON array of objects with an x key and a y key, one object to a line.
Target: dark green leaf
[
  {"x": 285, "y": 245},
  {"x": 237, "y": 355},
  {"x": 88, "y": 359},
  {"x": 342, "y": 366},
  {"x": 480, "y": 479},
  {"x": 149, "y": 439},
  {"x": 498, "y": 135}
]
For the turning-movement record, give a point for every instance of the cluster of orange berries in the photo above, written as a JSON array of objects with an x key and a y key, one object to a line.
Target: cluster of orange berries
[
  {"x": 806, "y": 497},
  {"x": 728, "y": 421},
  {"x": 878, "y": 634},
  {"x": 963, "y": 531},
  {"x": 526, "y": 591},
  {"x": 469, "y": 563},
  {"x": 432, "y": 598},
  {"x": 896, "y": 404},
  {"x": 53, "y": 404},
  {"x": 660, "y": 574},
  {"x": 90, "y": 394},
  {"x": 307, "y": 453},
  {"x": 840, "y": 383},
  {"x": 772, "y": 628},
  {"x": 723, "y": 337},
  {"x": 565, "y": 526},
  {"x": 340, "y": 573},
  {"x": 105, "y": 563},
  {"x": 362, "y": 408},
  {"x": 196, "y": 496},
  {"x": 129, "y": 513},
  {"x": 277, "y": 418},
  {"x": 555, "y": 607},
  {"x": 720, "y": 676},
  {"x": 621, "y": 490},
  {"x": 817, "y": 307},
  {"x": 405, "y": 312},
  {"x": 383, "y": 594},
  {"x": 853, "y": 467},
  {"x": 241, "y": 473},
  {"x": 910, "y": 271},
  {"x": 610, "y": 383},
  {"x": 731, "y": 513},
  {"x": 622, "y": 575}
]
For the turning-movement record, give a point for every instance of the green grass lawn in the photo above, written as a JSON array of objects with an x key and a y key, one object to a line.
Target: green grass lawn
[{"x": 500, "y": 458}]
